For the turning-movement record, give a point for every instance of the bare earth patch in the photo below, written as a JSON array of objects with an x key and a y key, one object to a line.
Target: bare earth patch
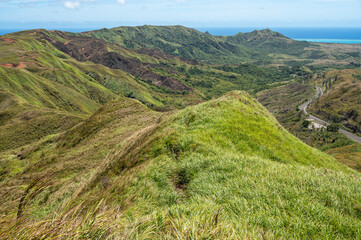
[
  {"x": 8, "y": 40},
  {"x": 10, "y": 65}
]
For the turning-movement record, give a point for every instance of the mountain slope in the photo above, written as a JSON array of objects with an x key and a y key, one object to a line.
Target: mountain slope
[
  {"x": 34, "y": 70},
  {"x": 221, "y": 169},
  {"x": 63, "y": 73},
  {"x": 269, "y": 41},
  {"x": 151, "y": 67},
  {"x": 177, "y": 40},
  {"x": 84, "y": 153},
  {"x": 72, "y": 156},
  {"x": 40, "y": 93},
  {"x": 341, "y": 102},
  {"x": 53, "y": 92},
  {"x": 22, "y": 123},
  {"x": 264, "y": 47}
]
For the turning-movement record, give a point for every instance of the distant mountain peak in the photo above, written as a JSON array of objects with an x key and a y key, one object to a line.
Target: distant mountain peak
[{"x": 266, "y": 33}]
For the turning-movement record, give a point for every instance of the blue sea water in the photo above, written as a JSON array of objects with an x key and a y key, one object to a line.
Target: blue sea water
[
  {"x": 328, "y": 35},
  {"x": 347, "y": 41}
]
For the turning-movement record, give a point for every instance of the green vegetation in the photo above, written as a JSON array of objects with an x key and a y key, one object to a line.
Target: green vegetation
[
  {"x": 114, "y": 134},
  {"x": 349, "y": 155},
  {"x": 176, "y": 40},
  {"x": 262, "y": 47},
  {"x": 306, "y": 123},
  {"x": 333, "y": 127},
  {"x": 72, "y": 156},
  {"x": 283, "y": 102},
  {"x": 54, "y": 92},
  {"x": 341, "y": 101},
  {"x": 221, "y": 169}
]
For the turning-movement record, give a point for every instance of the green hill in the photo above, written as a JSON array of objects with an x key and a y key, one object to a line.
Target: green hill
[
  {"x": 177, "y": 40},
  {"x": 166, "y": 75},
  {"x": 264, "y": 47},
  {"x": 44, "y": 91},
  {"x": 130, "y": 133},
  {"x": 221, "y": 169},
  {"x": 22, "y": 123},
  {"x": 269, "y": 41}
]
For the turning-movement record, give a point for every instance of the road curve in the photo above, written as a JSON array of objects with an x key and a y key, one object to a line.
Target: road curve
[{"x": 303, "y": 107}]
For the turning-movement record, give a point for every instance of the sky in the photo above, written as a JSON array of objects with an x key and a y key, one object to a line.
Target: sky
[{"x": 94, "y": 14}]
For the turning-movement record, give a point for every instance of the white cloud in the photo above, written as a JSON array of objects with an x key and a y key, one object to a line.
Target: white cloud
[
  {"x": 121, "y": 1},
  {"x": 72, "y": 5}
]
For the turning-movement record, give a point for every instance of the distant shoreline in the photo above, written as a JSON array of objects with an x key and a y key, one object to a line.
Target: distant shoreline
[
  {"x": 346, "y": 41},
  {"x": 320, "y": 35}
]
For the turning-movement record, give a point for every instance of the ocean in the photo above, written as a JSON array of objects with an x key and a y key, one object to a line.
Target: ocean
[{"x": 327, "y": 35}]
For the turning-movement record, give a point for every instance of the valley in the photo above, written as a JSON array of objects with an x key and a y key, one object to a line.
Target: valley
[
  {"x": 324, "y": 123},
  {"x": 164, "y": 132}
]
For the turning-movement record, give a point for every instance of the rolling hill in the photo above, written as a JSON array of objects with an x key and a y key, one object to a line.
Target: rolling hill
[
  {"x": 143, "y": 133},
  {"x": 262, "y": 47},
  {"x": 221, "y": 169}
]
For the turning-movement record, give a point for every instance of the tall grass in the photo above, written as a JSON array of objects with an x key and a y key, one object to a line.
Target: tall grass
[{"x": 224, "y": 169}]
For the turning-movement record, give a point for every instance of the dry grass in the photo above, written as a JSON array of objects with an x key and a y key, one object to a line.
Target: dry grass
[
  {"x": 242, "y": 175},
  {"x": 348, "y": 155},
  {"x": 116, "y": 125},
  {"x": 341, "y": 101}
]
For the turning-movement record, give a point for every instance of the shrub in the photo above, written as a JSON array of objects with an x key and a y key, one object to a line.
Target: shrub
[
  {"x": 333, "y": 127},
  {"x": 306, "y": 123}
]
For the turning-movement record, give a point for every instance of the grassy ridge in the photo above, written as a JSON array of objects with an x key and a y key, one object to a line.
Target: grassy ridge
[
  {"x": 41, "y": 76},
  {"x": 21, "y": 124},
  {"x": 226, "y": 169},
  {"x": 221, "y": 169},
  {"x": 89, "y": 161},
  {"x": 264, "y": 47},
  {"x": 176, "y": 40},
  {"x": 72, "y": 157}
]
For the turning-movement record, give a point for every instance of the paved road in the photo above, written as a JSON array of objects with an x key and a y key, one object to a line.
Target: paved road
[{"x": 304, "y": 106}]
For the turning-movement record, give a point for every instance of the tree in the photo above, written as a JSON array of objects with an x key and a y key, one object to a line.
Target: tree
[
  {"x": 333, "y": 127},
  {"x": 306, "y": 123}
]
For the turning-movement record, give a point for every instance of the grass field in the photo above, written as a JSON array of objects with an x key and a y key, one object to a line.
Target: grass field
[
  {"x": 99, "y": 141},
  {"x": 221, "y": 169}
]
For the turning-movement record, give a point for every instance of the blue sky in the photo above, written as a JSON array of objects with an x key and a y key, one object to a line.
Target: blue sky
[{"x": 51, "y": 14}]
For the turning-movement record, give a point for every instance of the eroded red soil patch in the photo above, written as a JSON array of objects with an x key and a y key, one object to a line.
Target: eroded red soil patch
[
  {"x": 10, "y": 65},
  {"x": 21, "y": 65},
  {"x": 8, "y": 40}
]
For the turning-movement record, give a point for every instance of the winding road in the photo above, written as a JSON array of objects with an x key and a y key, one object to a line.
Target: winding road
[{"x": 303, "y": 107}]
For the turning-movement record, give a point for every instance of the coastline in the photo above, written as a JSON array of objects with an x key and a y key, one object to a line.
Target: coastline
[{"x": 345, "y": 41}]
